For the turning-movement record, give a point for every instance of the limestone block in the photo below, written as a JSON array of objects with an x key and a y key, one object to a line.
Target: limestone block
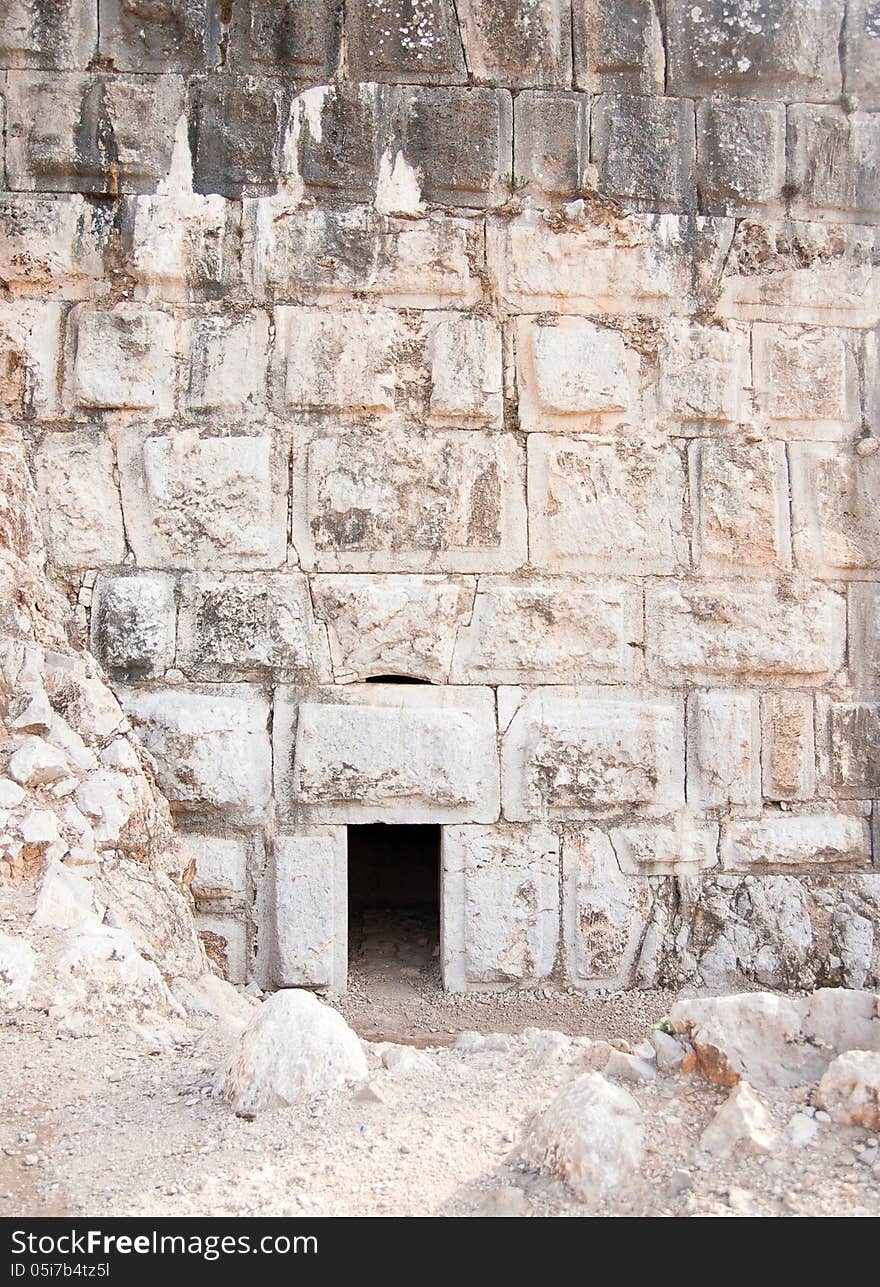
[
  {"x": 392, "y": 625},
  {"x": 861, "y": 42},
  {"x": 241, "y": 624},
  {"x": 805, "y": 381},
  {"x": 618, "y": 46},
  {"x": 835, "y": 509},
  {"x": 833, "y": 162},
  {"x": 517, "y": 42},
  {"x": 387, "y": 753},
  {"x": 644, "y": 149},
  {"x": 234, "y": 131},
  {"x": 500, "y": 905},
  {"x": 854, "y": 730},
  {"x": 864, "y": 633},
  {"x": 703, "y": 372},
  {"x": 404, "y": 41},
  {"x": 740, "y": 155},
  {"x": 153, "y": 38},
  {"x": 766, "y": 48},
  {"x": 796, "y": 840},
  {"x": 339, "y": 361},
  {"x": 550, "y": 630},
  {"x": 332, "y": 140},
  {"x": 311, "y": 909},
  {"x": 184, "y": 245},
  {"x": 398, "y": 500},
  {"x": 658, "y": 849},
  {"x": 724, "y": 749},
  {"x": 79, "y": 501},
  {"x": 203, "y": 502},
  {"x": 264, "y": 35},
  {"x": 603, "y": 911},
  {"x": 133, "y": 623},
  {"x": 708, "y": 629},
  {"x": 122, "y": 357},
  {"x": 459, "y": 142},
  {"x": 788, "y": 746},
  {"x": 227, "y": 362},
  {"x": 227, "y": 936},
  {"x": 569, "y": 367},
  {"x": 30, "y": 348},
  {"x": 466, "y": 372},
  {"x": 574, "y": 752},
  {"x": 221, "y": 866},
  {"x": 54, "y": 242},
  {"x": 600, "y": 505},
  {"x": 210, "y": 744},
  {"x": 79, "y": 132},
  {"x": 739, "y": 491},
  {"x": 551, "y": 141},
  {"x": 34, "y": 34}
]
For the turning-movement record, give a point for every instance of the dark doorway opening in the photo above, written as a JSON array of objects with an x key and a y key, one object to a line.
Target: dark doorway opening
[
  {"x": 395, "y": 679},
  {"x": 394, "y": 904}
]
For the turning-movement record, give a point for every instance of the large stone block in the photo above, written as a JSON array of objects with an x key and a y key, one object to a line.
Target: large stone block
[
  {"x": 724, "y": 749},
  {"x": 739, "y": 491},
  {"x": 249, "y": 623},
  {"x": 517, "y": 42},
  {"x": 397, "y": 500},
  {"x": 37, "y": 33},
  {"x": 833, "y": 165},
  {"x": 333, "y": 139},
  {"x": 500, "y": 905},
  {"x": 779, "y": 630},
  {"x": 54, "y": 243},
  {"x": 458, "y": 143},
  {"x": 603, "y": 913},
  {"x": 392, "y": 625},
  {"x": 387, "y": 753},
  {"x": 704, "y": 371},
  {"x": 221, "y": 867},
  {"x": 79, "y": 132},
  {"x": 551, "y": 142},
  {"x": 740, "y": 155},
  {"x": 864, "y": 633},
  {"x": 466, "y": 370},
  {"x": 788, "y": 747},
  {"x": 404, "y": 41},
  {"x": 796, "y": 840},
  {"x": 836, "y": 509},
  {"x": 227, "y": 940},
  {"x": 684, "y": 848},
  {"x": 861, "y": 44},
  {"x": 171, "y": 36},
  {"x": 82, "y": 517},
  {"x": 598, "y": 505},
  {"x": 644, "y": 150},
  {"x": 783, "y": 49},
  {"x": 211, "y": 745},
  {"x": 344, "y": 360},
  {"x": 203, "y": 502},
  {"x": 30, "y": 350},
  {"x": 265, "y": 35},
  {"x": 122, "y": 357},
  {"x": 573, "y": 373},
  {"x": 311, "y": 909},
  {"x": 549, "y": 631},
  {"x": 181, "y": 245},
  {"x": 854, "y": 742},
  {"x": 234, "y": 135},
  {"x": 618, "y": 46},
  {"x": 227, "y": 362},
  {"x": 575, "y": 752},
  {"x": 133, "y": 624}
]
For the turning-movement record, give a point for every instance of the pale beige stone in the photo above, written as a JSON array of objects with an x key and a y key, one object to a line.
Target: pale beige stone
[
  {"x": 340, "y": 360},
  {"x": 786, "y": 839},
  {"x": 788, "y": 746},
  {"x": 683, "y": 848},
  {"x": 466, "y": 370},
  {"x": 80, "y": 503},
  {"x": 704, "y": 371},
  {"x": 805, "y": 381},
  {"x": 227, "y": 362},
  {"x": 724, "y": 755},
  {"x": 740, "y": 494},
  {"x": 311, "y": 909},
  {"x": 604, "y": 911},
  {"x": 836, "y": 509},
  {"x": 568, "y": 367},
  {"x": 123, "y": 357}
]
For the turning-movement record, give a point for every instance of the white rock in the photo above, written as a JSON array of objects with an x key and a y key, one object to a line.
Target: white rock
[
  {"x": 17, "y": 961},
  {"x": 36, "y": 762},
  {"x": 406, "y": 1059},
  {"x": 668, "y": 1052},
  {"x": 741, "y": 1124},
  {"x": 11, "y": 794},
  {"x": 64, "y": 899},
  {"x": 39, "y": 827},
  {"x": 850, "y": 1089},
  {"x": 36, "y": 714},
  {"x": 801, "y": 1130},
  {"x": 755, "y": 1036},
  {"x": 626, "y": 1067}
]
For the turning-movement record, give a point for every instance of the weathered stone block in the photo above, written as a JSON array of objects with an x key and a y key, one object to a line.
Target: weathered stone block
[
  {"x": 34, "y": 33},
  {"x": 805, "y": 381},
  {"x": 783, "y": 49},
  {"x": 778, "y": 630},
  {"x": 658, "y": 849},
  {"x": 227, "y": 362},
  {"x": 226, "y": 937},
  {"x": 549, "y": 631},
  {"x": 854, "y": 734},
  {"x": 265, "y": 35},
  {"x": 724, "y": 749},
  {"x": 574, "y": 752},
  {"x": 79, "y": 132},
  {"x": 171, "y": 36},
  {"x": 311, "y": 909},
  {"x": 53, "y": 242},
  {"x": 740, "y": 494},
  {"x": 404, "y": 41},
  {"x": 703, "y": 372},
  {"x": 466, "y": 370},
  {"x": 211, "y": 745},
  {"x": 740, "y": 155},
  {"x": 123, "y": 357},
  {"x": 644, "y": 150},
  {"x": 234, "y": 135},
  {"x": 796, "y": 840},
  {"x": 500, "y": 905},
  {"x": 594, "y": 505},
  {"x": 833, "y": 162},
  {"x": 551, "y": 141},
  {"x": 618, "y": 46},
  {"x": 864, "y": 633},
  {"x": 861, "y": 41},
  {"x": 203, "y": 502},
  {"x": 221, "y": 867},
  {"x": 397, "y": 500},
  {"x": 392, "y": 625},
  {"x": 82, "y": 518},
  {"x": 459, "y": 142},
  {"x": 133, "y": 623},
  {"x": 570, "y": 367},
  {"x": 341, "y": 360},
  {"x": 183, "y": 245},
  {"x": 604, "y": 912},
  {"x": 788, "y": 751},
  {"x": 387, "y": 753},
  {"x": 30, "y": 349},
  {"x": 333, "y": 140},
  {"x": 246, "y": 623},
  {"x": 835, "y": 512},
  {"x": 517, "y": 42}
]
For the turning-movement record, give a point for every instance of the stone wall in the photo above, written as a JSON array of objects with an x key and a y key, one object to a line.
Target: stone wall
[{"x": 525, "y": 348}]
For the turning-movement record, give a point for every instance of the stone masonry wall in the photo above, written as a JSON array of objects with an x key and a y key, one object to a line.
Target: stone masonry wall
[{"x": 522, "y": 347}]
